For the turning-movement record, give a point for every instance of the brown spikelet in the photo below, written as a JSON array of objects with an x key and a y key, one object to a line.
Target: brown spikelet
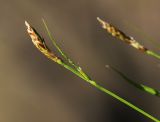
[
  {"x": 122, "y": 36},
  {"x": 40, "y": 44}
]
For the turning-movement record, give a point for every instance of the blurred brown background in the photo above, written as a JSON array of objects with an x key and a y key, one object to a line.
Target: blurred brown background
[{"x": 34, "y": 89}]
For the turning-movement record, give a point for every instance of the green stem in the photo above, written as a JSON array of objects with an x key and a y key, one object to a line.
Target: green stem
[
  {"x": 149, "y": 52},
  {"x": 73, "y": 71},
  {"x": 99, "y": 87},
  {"x": 79, "y": 69},
  {"x": 93, "y": 83}
]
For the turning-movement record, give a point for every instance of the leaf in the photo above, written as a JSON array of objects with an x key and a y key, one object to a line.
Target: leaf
[{"x": 142, "y": 87}]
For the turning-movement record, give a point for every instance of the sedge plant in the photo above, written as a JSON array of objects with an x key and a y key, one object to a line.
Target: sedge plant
[{"x": 67, "y": 63}]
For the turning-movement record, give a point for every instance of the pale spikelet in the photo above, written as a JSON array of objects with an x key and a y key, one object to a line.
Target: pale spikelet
[
  {"x": 122, "y": 36},
  {"x": 40, "y": 43}
]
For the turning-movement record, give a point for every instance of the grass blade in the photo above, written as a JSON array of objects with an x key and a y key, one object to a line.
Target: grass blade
[
  {"x": 142, "y": 87},
  {"x": 79, "y": 69}
]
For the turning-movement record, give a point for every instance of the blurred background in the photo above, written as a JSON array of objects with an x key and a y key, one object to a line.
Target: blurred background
[{"x": 35, "y": 89}]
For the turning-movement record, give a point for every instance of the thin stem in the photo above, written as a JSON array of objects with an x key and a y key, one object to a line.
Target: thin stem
[
  {"x": 73, "y": 71},
  {"x": 101, "y": 88},
  {"x": 149, "y": 52},
  {"x": 79, "y": 69},
  {"x": 93, "y": 83}
]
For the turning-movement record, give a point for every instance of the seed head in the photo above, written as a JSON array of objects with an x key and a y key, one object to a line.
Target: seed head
[{"x": 39, "y": 42}]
